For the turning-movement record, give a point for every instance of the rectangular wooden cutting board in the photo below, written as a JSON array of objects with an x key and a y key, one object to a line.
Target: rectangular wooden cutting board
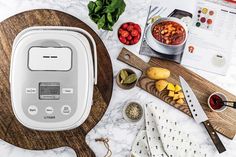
[{"x": 223, "y": 122}]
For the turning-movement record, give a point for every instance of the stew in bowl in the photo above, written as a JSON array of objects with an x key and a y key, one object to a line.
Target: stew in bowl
[{"x": 169, "y": 32}]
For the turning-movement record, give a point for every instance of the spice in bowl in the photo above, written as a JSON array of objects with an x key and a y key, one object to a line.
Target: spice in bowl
[
  {"x": 133, "y": 112},
  {"x": 215, "y": 102},
  {"x": 126, "y": 79}
]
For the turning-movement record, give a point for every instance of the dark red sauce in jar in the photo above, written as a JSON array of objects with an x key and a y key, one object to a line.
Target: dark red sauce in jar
[
  {"x": 169, "y": 32},
  {"x": 216, "y": 102}
]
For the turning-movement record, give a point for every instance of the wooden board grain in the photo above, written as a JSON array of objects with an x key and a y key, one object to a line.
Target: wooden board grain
[
  {"x": 10, "y": 129},
  {"x": 223, "y": 122}
]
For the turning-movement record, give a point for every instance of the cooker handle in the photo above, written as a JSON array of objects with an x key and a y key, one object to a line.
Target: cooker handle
[
  {"x": 95, "y": 64},
  {"x": 131, "y": 59}
]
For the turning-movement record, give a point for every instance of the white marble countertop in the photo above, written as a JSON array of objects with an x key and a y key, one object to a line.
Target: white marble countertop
[{"x": 120, "y": 133}]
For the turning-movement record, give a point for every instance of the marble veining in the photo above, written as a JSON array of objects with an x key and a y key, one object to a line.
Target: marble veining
[{"x": 120, "y": 133}]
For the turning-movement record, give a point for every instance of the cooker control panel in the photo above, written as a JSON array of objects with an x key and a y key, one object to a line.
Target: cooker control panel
[
  {"x": 50, "y": 88},
  {"x": 50, "y": 101}
]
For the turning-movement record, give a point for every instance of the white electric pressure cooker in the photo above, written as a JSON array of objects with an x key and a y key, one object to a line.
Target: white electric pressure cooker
[{"x": 52, "y": 76}]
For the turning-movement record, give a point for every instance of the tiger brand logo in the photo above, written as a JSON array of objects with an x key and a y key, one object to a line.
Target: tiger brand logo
[{"x": 49, "y": 117}]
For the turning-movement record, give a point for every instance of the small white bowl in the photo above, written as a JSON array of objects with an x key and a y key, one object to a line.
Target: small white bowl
[
  {"x": 126, "y": 117},
  {"x": 222, "y": 96}
]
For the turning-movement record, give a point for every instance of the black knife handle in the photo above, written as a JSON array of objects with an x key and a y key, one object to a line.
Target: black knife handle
[{"x": 216, "y": 140}]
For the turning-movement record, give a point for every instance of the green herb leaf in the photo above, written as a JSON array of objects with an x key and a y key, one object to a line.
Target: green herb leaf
[
  {"x": 91, "y": 6},
  {"x": 107, "y": 1},
  {"x": 105, "y": 13},
  {"x": 130, "y": 79},
  {"x": 123, "y": 74},
  {"x": 119, "y": 11},
  {"x": 114, "y": 5},
  {"x": 109, "y": 17},
  {"x": 109, "y": 27},
  {"x": 99, "y": 6},
  {"x": 95, "y": 17},
  {"x": 101, "y": 22}
]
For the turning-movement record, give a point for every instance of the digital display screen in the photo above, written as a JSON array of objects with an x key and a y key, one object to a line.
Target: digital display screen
[{"x": 49, "y": 90}]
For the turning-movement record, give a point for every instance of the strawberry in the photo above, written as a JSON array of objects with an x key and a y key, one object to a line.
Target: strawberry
[
  {"x": 122, "y": 39},
  {"x": 134, "y": 33},
  {"x": 127, "y": 42},
  {"x": 135, "y": 40},
  {"x": 124, "y": 26},
  {"x": 129, "y": 37},
  {"x": 137, "y": 27},
  {"x": 138, "y": 36},
  {"x": 120, "y": 31},
  {"x": 130, "y": 28},
  {"x": 132, "y": 42},
  {"x": 124, "y": 34},
  {"x": 131, "y": 23}
]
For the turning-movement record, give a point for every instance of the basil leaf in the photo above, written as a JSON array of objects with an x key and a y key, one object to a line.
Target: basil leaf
[
  {"x": 108, "y": 1},
  {"x": 116, "y": 14},
  {"x": 101, "y": 22},
  {"x": 109, "y": 17},
  {"x": 95, "y": 17},
  {"x": 99, "y": 3},
  {"x": 99, "y": 6},
  {"x": 91, "y": 6},
  {"x": 105, "y": 13},
  {"x": 113, "y": 5}
]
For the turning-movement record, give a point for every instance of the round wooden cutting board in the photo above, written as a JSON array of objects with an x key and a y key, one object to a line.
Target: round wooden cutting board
[{"x": 10, "y": 129}]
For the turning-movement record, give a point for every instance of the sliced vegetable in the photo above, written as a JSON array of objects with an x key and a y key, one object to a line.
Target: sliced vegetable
[
  {"x": 161, "y": 85},
  {"x": 171, "y": 93},
  {"x": 176, "y": 96},
  {"x": 181, "y": 95},
  {"x": 171, "y": 87},
  {"x": 180, "y": 101},
  {"x": 177, "y": 88}
]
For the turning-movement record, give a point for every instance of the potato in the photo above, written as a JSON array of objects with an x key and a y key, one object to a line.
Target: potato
[
  {"x": 171, "y": 93},
  {"x": 161, "y": 85},
  {"x": 181, "y": 95},
  {"x": 171, "y": 87},
  {"x": 177, "y": 88},
  {"x": 180, "y": 101},
  {"x": 156, "y": 73},
  {"x": 176, "y": 96}
]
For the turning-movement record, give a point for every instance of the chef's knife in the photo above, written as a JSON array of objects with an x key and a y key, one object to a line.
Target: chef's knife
[{"x": 199, "y": 115}]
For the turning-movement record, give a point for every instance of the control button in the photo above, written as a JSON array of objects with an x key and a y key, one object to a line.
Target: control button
[
  {"x": 49, "y": 110},
  {"x": 33, "y": 110},
  {"x": 67, "y": 90},
  {"x": 66, "y": 110},
  {"x": 30, "y": 90}
]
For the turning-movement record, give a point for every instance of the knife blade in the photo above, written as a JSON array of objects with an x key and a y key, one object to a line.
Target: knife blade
[{"x": 199, "y": 115}]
